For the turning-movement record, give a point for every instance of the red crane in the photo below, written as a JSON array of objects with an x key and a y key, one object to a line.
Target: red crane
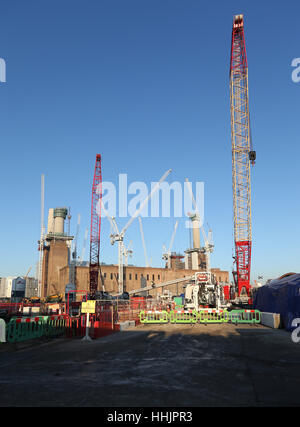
[
  {"x": 242, "y": 156},
  {"x": 95, "y": 227}
]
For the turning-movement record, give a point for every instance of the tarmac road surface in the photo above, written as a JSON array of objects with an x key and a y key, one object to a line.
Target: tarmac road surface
[{"x": 159, "y": 365}]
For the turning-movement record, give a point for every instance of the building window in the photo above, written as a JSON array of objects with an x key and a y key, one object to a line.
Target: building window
[
  {"x": 147, "y": 276},
  {"x": 111, "y": 276},
  {"x": 129, "y": 276},
  {"x": 136, "y": 277},
  {"x": 158, "y": 277},
  {"x": 152, "y": 276},
  {"x": 104, "y": 275}
]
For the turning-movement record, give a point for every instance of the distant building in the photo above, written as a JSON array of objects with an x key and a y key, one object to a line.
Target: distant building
[
  {"x": 17, "y": 288},
  {"x": 31, "y": 289},
  {"x": 6, "y": 285},
  {"x": 3, "y": 288}
]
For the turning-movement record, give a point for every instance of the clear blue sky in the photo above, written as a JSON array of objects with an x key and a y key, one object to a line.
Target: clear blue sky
[{"x": 146, "y": 84}]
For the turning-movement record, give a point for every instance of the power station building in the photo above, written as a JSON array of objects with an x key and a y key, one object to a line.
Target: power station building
[{"x": 60, "y": 273}]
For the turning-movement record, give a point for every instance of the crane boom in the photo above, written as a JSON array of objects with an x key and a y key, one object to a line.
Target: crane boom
[
  {"x": 173, "y": 236},
  {"x": 143, "y": 204},
  {"x": 95, "y": 226},
  {"x": 84, "y": 244},
  {"x": 41, "y": 243},
  {"x": 242, "y": 154},
  {"x": 143, "y": 241}
]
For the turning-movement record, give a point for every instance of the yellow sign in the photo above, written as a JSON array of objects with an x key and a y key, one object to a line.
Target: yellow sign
[{"x": 88, "y": 307}]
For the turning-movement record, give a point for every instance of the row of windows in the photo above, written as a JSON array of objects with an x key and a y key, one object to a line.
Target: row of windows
[{"x": 105, "y": 275}]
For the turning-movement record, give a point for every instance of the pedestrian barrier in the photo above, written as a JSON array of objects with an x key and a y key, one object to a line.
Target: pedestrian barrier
[
  {"x": 213, "y": 316},
  {"x": 22, "y": 329},
  {"x": 56, "y": 326},
  {"x": 245, "y": 316},
  {"x": 26, "y": 328},
  {"x": 203, "y": 316},
  {"x": 154, "y": 316},
  {"x": 2, "y": 330},
  {"x": 183, "y": 316}
]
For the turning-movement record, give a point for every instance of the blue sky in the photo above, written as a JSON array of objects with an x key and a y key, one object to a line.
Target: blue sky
[{"x": 146, "y": 84}]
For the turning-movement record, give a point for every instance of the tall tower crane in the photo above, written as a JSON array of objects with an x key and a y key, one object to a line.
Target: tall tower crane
[
  {"x": 84, "y": 245},
  {"x": 118, "y": 236},
  {"x": 95, "y": 227},
  {"x": 41, "y": 242},
  {"x": 143, "y": 241},
  {"x": 127, "y": 252},
  {"x": 208, "y": 247},
  {"x": 167, "y": 253},
  {"x": 242, "y": 155}
]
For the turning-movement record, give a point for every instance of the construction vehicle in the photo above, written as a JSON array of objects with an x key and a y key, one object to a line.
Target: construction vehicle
[
  {"x": 54, "y": 298},
  {"x": 204, "y": 291},
  {"x": 33, "y": 300},
  {"x": 242, "y": 156}
]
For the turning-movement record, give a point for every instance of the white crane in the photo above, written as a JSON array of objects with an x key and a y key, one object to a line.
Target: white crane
[
  {"x": 119, "y": 236},
  {"x": 208, "y": 242},
  {"x": 143, "y": 241},
  {"x": 84, "y": 245},
  {"x": 127, "y": 252},
  {"x": 74, "y": 245},
  {"x": 42, "y": 238},
  {"x": 167, "y": 253},
  {"x": 72, "y": 270},
  {"x": 28, "y": 271}
]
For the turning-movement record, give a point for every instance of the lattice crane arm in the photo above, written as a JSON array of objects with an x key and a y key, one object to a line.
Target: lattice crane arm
[
  {"x": 95, "y": 226},
  {"x": 242, "y": 155}
]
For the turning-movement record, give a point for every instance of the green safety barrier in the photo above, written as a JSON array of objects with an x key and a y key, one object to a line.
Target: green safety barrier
[
  {"x": 245, "y": 316},
  {"x": 205, "y": 316},
  {"x": 18, "y": 330},
  {"x": 202, "y": 316},
  {"x": 183, "y": 316},
  {"x": 55, "y": 327},
  {"x": 154, "y": 316}
]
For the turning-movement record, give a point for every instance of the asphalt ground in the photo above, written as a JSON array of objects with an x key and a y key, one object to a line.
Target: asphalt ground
[{"x": 155, "y": 366}]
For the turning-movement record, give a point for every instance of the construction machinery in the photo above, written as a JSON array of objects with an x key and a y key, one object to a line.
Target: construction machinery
[
  {"x": 73, "y": 257},
  {"x": 81, "y": 258},
  {"x": 167, "y": 252},
  {"x": 127, "y": 252},
  {"x": 143, "y": 241},
  {"x": 94, "y": 268},
  {"x": 208, "y": 247},
  {"x": 28, "y": 271},
  {"x": 42, "y": 237},
  {"x": 242, "y": 156},
  {"x": 204, "y": 291},
  {"x": 54, "y": 298},
  {"x": 119, "y": 236}
]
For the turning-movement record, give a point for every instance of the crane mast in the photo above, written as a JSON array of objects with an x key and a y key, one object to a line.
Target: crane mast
[
  {"x": 95, "y": 227},
  {"x": 242, "y": 155}
]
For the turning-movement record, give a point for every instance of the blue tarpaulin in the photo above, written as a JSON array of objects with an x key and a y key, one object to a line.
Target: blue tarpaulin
[{"x": 280, "y": 296}]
